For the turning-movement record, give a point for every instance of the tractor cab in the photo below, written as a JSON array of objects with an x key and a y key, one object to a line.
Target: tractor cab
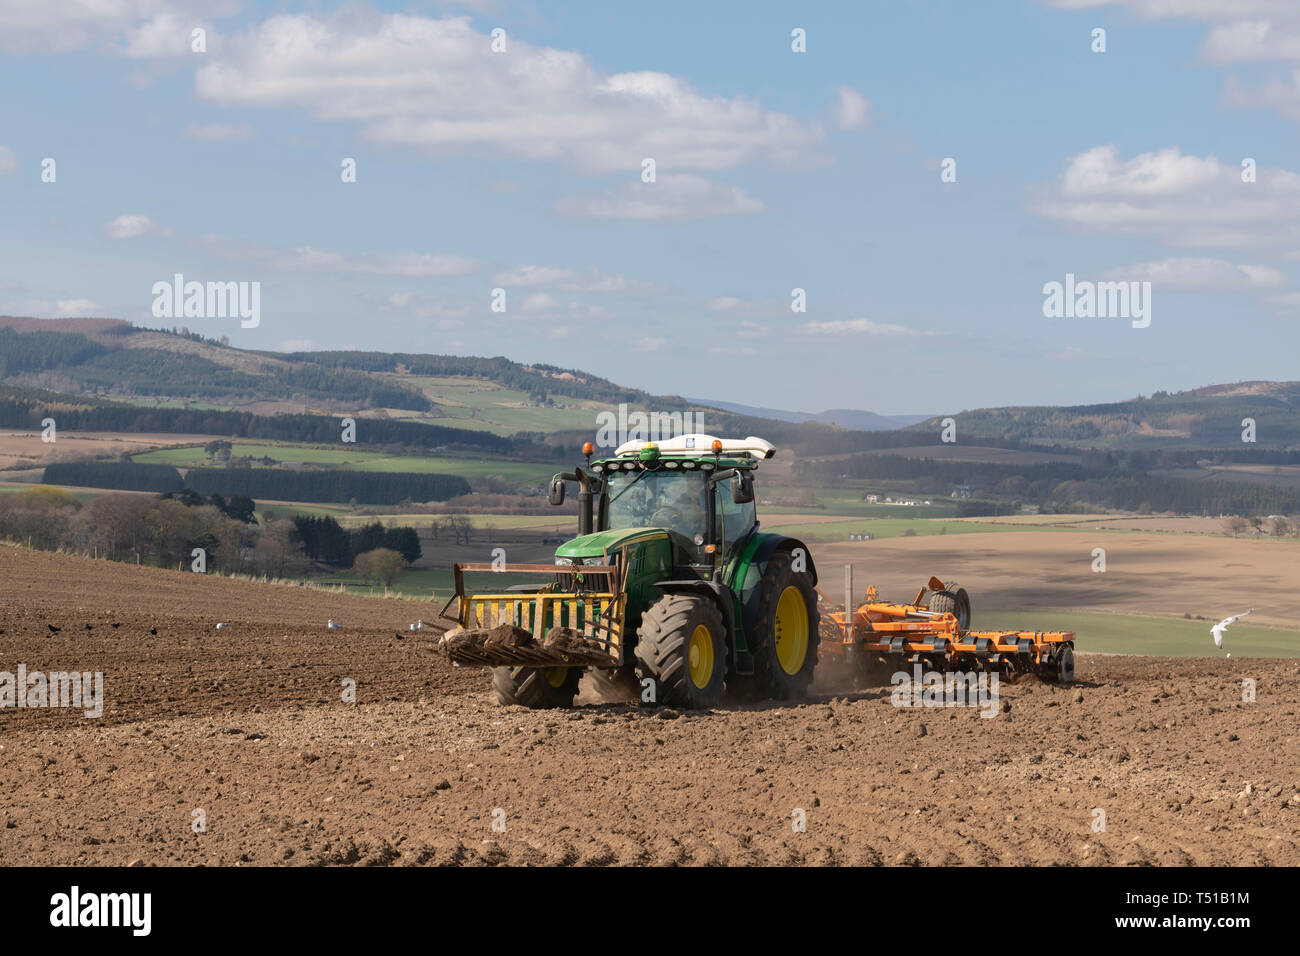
[{"x": 706, "y": 505}]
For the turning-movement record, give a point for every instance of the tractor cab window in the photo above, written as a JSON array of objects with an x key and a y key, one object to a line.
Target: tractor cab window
[
  {"x": 734, "y": 521},
  {"x": 669, "y": 499}
]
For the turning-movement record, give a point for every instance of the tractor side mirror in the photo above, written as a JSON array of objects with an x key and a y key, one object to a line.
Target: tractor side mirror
[
  {"x": 556, "y": 496},
  {"x": 742, "y": 489}
]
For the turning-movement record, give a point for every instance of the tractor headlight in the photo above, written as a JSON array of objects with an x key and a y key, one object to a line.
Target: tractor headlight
[
  {"x": 564, "y": 562},
  {"x": 699, "y": 540}
]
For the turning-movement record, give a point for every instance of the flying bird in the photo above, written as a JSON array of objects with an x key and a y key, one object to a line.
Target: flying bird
[{"x": 1223, "y": 625}]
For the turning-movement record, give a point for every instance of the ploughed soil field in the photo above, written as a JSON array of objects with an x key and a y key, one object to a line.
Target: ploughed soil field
[{"x": 235, "y": 746}]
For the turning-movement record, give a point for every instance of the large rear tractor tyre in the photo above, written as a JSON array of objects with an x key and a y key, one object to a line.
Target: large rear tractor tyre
[
  {"x": 952, "y": 601},
  {"x": 786, "y": 635},
  {"x": 682, "y": 646},
  {"x": 536, "y": 687}
]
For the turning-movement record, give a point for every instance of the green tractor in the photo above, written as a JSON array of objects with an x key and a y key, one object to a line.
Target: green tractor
[{"x": 670, "y": 592}]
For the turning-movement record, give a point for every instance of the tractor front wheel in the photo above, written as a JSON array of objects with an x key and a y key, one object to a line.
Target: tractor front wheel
[
  {"x": 682, "y": 646},
  {"x": 536, "y": 687}
]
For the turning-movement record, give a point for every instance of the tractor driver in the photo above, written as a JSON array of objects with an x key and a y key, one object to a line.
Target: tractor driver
[
  {"x": 674, "y": 501},
  {"x": 684, "y": 505}
]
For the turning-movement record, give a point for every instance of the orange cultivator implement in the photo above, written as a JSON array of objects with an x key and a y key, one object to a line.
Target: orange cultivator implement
[{"x": 937, "y": 634}]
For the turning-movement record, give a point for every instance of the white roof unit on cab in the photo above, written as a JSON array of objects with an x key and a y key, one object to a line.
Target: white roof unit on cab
[{"x": 698, "y": 444}]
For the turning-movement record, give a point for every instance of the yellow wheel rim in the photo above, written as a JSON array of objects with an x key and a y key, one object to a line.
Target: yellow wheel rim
[
  {"x": 791, "y": 630},
  {"x": 700, "y": 656},
  {"x": 556, "y": 676}
]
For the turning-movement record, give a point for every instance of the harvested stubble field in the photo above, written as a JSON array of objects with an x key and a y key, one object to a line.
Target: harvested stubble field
[{"x": 247, "y": 724}]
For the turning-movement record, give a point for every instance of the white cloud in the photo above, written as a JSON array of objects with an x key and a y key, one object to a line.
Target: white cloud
[
  {"x": 412, "y": 265},
  {"x": 164, "y": 37},
  {"x": 853, "y": 111},
  {"x": 1280, "y": 94},
  {"x": 1072, "y": 353},
  {"x": 529, "y": 276},
  {"x": 567, "y": 280},
  {"x": 295, "y": 345},
  {"x": 1241, "y": 31},
  {"x": 1245, "y": 40},
  {"x": 78, "y": 307},
  {"x": 674, "y": 198},
  {"x": 1197, "y": 9},
  {"x": 649, "y": 344},
  {"x": 539, "y": 302},
  {"x": 1211, "y": 275},
  {"x": 1287, "y": 303},
  {"x": 132, "y": 28},
  {"x": 219, "y": 132},
  {"x": 863, "y": 327},
  {"x": 64, "y": 308},
  {"x": 436, "y": 84},
  {"x": 8, "y": 161},
  {"x": 735, "y": 305},
  {"x": 1099, "y": 172},
  {"x": 134, "y": 227},
  {"x": 409, "y": 265},
  {"x": 1183, "y": 200}
]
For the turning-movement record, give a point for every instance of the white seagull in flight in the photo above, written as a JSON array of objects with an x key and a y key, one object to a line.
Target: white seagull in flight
[{"x": 1223, "y": 625}]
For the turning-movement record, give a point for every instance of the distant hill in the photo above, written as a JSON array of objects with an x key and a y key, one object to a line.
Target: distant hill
[
  {"x": 1210, "y": 417},
  {"x": 844, "y": 417},
  {"x": 111, "y": 360}
]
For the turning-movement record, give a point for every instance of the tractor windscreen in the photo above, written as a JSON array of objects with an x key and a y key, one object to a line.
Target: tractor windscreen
[{"x": 669, "y": 499}]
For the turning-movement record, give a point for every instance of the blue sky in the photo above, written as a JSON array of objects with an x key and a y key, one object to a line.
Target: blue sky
[{"x": 775, "y": 170}]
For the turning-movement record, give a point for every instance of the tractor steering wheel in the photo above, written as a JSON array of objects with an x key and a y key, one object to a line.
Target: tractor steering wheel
[{"x": 675, "y": 516}]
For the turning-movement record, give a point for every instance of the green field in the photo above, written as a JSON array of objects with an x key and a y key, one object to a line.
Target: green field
[
  {"x": 435, "y": 584},
  {"x": 170, "y": 403},
  {"x": 848, "y": 502},
  {"x": 520, "y": 472},
  {"x": 82, "y": 496},
  {"x": 1132, "y": 634},
  {"x": 569, "y": 523},
  {"x": 479, "y": 404},
  {"x": 418, "y": 583},
  {"x": 887, "y": 527}
]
